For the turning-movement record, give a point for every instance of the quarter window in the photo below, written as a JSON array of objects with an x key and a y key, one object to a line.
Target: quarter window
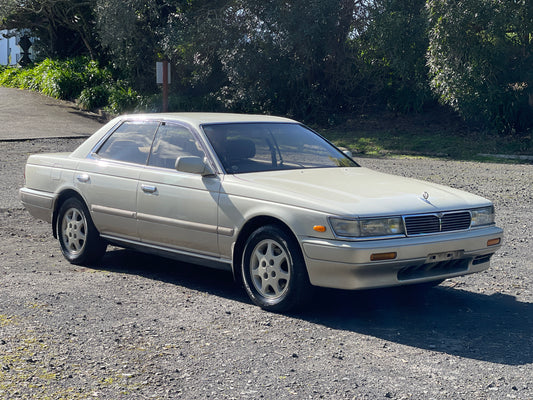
[{"x": 130, "y": 142}]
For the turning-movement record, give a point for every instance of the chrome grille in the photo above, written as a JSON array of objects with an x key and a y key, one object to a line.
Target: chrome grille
[
  {"x": 455, "y": 221},
  {"x": 436, "y": 223}
]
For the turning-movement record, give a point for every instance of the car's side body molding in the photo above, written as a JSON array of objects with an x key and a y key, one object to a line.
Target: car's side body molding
[
  {"x": 185, "y": 224},
  {"x": 113, "y": 211},
  {"x": 175, "y": 254}
]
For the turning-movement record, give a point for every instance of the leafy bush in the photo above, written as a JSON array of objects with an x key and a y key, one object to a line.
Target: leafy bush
[
  {"x": 78, "y": 79},
  {"x": 393, "y": 48},
  {"x": 93, "y": 97},
  {"x": 121, "y": 100},
  {"x": 9, "y": 77},
  {"x": 58, "y": 79}
]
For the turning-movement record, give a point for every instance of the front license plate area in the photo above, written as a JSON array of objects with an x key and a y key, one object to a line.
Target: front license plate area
[{"x": 445, "y": 256}]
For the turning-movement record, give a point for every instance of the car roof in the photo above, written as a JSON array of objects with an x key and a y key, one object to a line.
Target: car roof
[{"x": 198, "y": 118}]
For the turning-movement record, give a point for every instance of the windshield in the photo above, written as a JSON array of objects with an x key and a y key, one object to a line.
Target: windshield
[{"x": 254, "y": 147}]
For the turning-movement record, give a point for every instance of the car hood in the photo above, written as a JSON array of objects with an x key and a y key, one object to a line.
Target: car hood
[{"x": 350, "y": 191}]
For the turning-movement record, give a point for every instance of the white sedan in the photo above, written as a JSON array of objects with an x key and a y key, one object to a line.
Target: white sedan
[{"x": 264, "y": 197}]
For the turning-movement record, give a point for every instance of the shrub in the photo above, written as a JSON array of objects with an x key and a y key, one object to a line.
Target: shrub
[
  {"x": 92, "y": 98},
  {"x": 122, "y": 100},
  {"x": 58, "y": 79},
  {"x": 79, "y": 79},
  {"x": 9, "y": 77}
]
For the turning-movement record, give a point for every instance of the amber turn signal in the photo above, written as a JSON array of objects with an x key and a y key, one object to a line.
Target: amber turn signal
[
  {"x": 383, "y": 256},
  {"x": 493, "y": 242},
  {"x": 319, "y": 228}
]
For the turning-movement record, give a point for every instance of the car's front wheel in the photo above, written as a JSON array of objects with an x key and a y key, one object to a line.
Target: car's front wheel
[
  {"x": 79, "y": 239},
  {"x": 273, "y": 270}
]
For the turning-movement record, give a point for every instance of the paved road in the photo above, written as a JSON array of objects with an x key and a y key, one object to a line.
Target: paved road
[{"x": 30, "y": 115}]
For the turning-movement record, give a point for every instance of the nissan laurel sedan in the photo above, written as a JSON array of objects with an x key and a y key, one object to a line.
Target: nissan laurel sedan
[{"x": 264, "y": 197}]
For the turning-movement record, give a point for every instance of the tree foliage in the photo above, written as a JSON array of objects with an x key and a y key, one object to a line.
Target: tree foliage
[
  {"x": 277, "y": 56},
  {"x": 131, "y": 32},
  {"x": 64, "y": 28},
  {"x": 316, "y": 60},
  {"x": 481, "y": 60},
  {"x": 394, "y": 48}
]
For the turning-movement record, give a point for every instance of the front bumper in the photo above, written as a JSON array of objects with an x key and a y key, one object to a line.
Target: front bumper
[{"x": 346, "y": 264}]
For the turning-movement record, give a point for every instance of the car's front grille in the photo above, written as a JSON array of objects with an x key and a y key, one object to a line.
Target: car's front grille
[{"x": 435, "y": 223}]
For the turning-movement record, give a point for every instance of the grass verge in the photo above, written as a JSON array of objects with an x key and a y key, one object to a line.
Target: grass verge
[{"x": 433, "y": 134}]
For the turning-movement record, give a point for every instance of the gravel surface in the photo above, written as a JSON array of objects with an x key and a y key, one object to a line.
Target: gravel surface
[{"x": 141, "y": 327}]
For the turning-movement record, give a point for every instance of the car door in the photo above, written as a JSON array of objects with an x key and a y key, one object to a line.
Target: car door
[
  {"x": 177, "y": 209},
  {"x": 108, "y": 179}
]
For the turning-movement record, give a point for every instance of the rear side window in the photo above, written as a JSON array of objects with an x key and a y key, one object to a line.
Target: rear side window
[{"x": 130, "y": 142}]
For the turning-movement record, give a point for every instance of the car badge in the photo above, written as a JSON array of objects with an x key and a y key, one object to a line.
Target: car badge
[{"x": 425, "y": 195}]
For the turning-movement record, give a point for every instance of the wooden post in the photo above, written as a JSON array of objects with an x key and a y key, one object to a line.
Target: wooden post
[{"x": 165, "y": 86}]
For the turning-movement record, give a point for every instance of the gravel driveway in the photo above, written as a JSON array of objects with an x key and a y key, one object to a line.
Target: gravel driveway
[{"x": 141, "y": 327}]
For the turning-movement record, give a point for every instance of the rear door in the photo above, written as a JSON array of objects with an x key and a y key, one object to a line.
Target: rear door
[{"x": 109, "y": 179}]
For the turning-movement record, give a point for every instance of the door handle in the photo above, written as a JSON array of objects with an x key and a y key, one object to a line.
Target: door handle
[
  {"x": 148, "y": 188},
  {"x": 83, "y": 178}
]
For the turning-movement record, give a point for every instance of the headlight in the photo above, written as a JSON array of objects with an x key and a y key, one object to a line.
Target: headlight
[
  {"x": 482, "y": 216},
  {"x": 367, "y": 227}
]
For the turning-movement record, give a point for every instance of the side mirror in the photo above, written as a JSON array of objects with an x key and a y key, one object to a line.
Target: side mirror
[
  {"x": 346, "y": 152},
  {"x": 193, "y": 165}
]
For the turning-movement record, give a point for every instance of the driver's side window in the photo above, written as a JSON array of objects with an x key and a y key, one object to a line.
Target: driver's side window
[{"x": 173, "y": 141}]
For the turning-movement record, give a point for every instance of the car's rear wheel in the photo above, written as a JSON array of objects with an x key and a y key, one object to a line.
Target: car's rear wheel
[
  {"x": 79, "y": 239},
  {"x": 273, "y": 270}
]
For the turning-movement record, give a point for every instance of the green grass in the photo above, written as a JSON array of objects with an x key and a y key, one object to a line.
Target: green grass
[{"x": 426, "y": 135}]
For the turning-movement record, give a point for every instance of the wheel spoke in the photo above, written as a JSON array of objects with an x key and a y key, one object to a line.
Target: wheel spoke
[
  {"x": 74, "y": 229},
  {"x": 259, "y": 254},
  {"x": 281, "y": 264},
  {"x": 269, "y": 267}
]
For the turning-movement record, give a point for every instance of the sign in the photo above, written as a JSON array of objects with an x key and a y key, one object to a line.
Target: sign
[{"x": 159, "y": 72}]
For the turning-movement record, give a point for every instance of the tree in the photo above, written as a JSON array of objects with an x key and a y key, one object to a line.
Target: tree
[
  {"x": 283, "y": 57},
  {"x": 394, "y": 49},
  {"x": 131, "y": 32},
  {"x": 64, "y": 27},
  {"x": 481, "y": 60}
]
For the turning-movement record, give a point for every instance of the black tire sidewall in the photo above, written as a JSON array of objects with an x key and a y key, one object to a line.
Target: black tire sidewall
[
  {"x": 298, "y": 286},
  {"x": 94, "y": 246}
]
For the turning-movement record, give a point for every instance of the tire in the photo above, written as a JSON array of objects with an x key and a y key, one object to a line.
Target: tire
[
  {"x": 79, "y": 239},
  {"x": 273, "y": 270}
]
